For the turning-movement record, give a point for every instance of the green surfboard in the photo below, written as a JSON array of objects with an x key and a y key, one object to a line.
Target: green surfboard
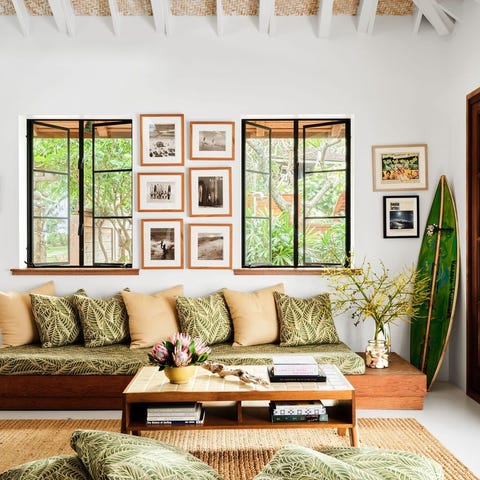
[{"x": 438, "y": 261}]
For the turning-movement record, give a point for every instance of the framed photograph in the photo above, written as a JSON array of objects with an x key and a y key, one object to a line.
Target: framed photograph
[
  {"x": 400, "y": 217},
  {"x": 400, "y": 167},
  {"x": 212, "y": 140},
  {"x": 162, "y": 138},
  {"x": 162, "y": 243},
  {"x": 210, "y": 246},
  {"x": 160, "y": 192},
  {"x": 210, "y": 192}
]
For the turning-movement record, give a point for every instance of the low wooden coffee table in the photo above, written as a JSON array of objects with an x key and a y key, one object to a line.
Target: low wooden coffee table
[{"x": 230, "y": 403}]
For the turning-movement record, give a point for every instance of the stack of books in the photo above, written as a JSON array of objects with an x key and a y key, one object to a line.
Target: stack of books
[
  {"x": 290, "y": 411},
  {"x": 176, "y": 414},
  {"x": 295, "y": 368}
]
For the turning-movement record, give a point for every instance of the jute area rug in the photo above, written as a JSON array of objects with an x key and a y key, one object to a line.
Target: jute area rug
[{"x": 235, "y": 454}]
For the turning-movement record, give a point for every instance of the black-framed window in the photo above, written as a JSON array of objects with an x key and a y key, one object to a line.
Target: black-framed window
[
  {"x": 296, "y": 193},
  {"x": 79, "y": 193}
]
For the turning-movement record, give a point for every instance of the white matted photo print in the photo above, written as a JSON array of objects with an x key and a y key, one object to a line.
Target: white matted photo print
[
  {"x": 400, "y": 217},
  {"x": 210, "y": 192},
  {"x": 162, "y": 243},
  {"x": 162, "y": 138},
  {"x": 210, "y": 246},
  {"x": 212, "y": 140},
  {"x": 160, "y": 192}
]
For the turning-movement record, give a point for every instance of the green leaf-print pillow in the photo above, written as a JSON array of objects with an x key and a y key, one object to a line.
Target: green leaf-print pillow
[
  {"x": 205, "y": 317},
  {"x": 305, "y": 321},
  {"x": 116, "y": 456}
]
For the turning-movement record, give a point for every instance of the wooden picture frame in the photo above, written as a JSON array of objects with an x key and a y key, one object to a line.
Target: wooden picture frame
[
  {"x": 162, "y": 244},
  {"x": 401, "y": 217},
  {"x": 160, "y": 192},
  {"x": 212, "y": 140},
  {"x": 162, "y": 139},
  {"x": 400, "y": 167},
  {"x": 210, "y": 245},
  {"x": 210, "y": 192}
]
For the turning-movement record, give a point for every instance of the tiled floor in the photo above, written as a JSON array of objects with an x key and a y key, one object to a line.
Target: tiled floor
[{"x": 448, "y": 414}]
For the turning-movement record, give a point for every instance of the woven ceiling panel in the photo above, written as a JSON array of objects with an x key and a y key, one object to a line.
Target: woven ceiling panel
[
  {"x": 91, "y": 7},
  {"x": 6, "y": 7},
  {"x": 38, "y": 7},
  {"x": 395, "y": 7},
  {"x": 135, "y": 7},
  {"x": 194, "y": 7},
  {"x": 240, "y": 7},
  {"x": 345, "y": 7},
  {"x": 296, "y": 7}
]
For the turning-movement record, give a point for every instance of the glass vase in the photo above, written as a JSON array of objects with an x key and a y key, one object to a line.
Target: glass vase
[{"x": 376, "y": 354}]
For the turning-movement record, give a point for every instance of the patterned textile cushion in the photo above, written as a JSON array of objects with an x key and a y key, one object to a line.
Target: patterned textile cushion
[
  {"x": 258, "y": 306},
  {"x": 115, "y": 456},
  {"x": 205, "y": 317},
  {"x": 151, "y": 318},
  {"x": 104, "y": 321},
  {"x": 56, "y": 318},
  {"x": 305, "y": 321},
  {"x": 389, "y": 464},
  {"x": 60, "y": 467},
  {"x": 17, "y": 325}
]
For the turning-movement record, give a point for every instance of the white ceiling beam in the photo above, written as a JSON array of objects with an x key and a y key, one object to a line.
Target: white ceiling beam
[
  {"x": 434, "y": 13},
  {"x": 70, "y": 17},
  {"x": 22, "y": 15},
  {"x": 417, "y": 20},
  {"x": 162, "y": 16},
  {"x": 367, "y": 12},
  {"x": 324, "y": 18},
  {"x": 451, "y": 8},
  {"x": 266, "y": 14},
  {"x": 220, "y": 18},
  {"x": 116, "y": 16}
]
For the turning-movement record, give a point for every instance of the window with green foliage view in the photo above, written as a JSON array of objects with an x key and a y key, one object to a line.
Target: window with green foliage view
[
  {"x": 296, "y": 192},
  {"x": 80, "y": 193}
]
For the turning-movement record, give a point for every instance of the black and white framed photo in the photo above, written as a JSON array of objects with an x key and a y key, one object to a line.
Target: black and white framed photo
[
  {"x": 210, "y": 192},
  {"x": 162, "y": 243},
  {"x": 210, "y": 246},
  {"x": 162, "y": 138},
  {"x": 212, "y": 140},
  {"x": 400, "y": 217},
  {"x": 160, "y": 192}
]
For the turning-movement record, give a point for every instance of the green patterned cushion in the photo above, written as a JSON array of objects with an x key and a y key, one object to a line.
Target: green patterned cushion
[
  {"x": 205, "y": 317},
  {"x": 305, "y": 321},
  {"x": 389, "y": 464},
  {"x": 56, "y": 319},
  {"x": 104, "y": 321},
  {"x": 115, "y": 456},
  {"x": 60, "y": 467}
]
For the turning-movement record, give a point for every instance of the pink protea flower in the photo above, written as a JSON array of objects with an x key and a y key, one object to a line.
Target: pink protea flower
[{"x": 160, "y": 353}]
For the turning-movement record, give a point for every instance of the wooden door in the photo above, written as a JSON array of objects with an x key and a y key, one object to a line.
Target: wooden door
[{"x": 473, "y": 245}]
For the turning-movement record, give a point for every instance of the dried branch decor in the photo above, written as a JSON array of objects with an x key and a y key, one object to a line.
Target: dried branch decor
[{"x": 223, "y": 371}]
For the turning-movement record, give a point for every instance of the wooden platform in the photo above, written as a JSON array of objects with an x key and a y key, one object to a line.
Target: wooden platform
[{"x": 400, "y": 386}]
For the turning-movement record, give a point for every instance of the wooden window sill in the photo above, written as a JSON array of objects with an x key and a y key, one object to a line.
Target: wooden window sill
[
  {"x": 75, "y": 271},
  {"x": 295, "y": 271}
]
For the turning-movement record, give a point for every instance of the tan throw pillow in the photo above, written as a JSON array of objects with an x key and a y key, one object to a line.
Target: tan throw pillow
[
  {"x": 16, "y": 318},
  {"x": 151, "y": 318},
  {"x": 254, "y": 315}
]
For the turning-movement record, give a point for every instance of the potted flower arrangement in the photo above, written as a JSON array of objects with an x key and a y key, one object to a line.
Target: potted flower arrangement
[
  {"x": 374, "y": 293},
  {"x": 178, "y": 356}
]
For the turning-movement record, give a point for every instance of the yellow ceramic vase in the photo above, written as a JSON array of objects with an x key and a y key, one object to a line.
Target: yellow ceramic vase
[{"x": 180, "y": 374}]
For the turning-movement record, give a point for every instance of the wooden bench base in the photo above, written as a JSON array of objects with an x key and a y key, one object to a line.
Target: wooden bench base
[{"x": 401, "y": 386}]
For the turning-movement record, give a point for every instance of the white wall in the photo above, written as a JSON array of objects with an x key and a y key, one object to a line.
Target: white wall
[{"x": 393, "y": 84}]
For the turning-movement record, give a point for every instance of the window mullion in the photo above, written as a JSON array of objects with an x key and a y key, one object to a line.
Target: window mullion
[{"x": 81, "y": 193}]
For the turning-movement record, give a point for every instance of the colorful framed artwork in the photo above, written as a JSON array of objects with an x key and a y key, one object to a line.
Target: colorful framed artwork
[
  {"x": 400, "y": 217},
  {"x": 210, "y": 192},
  {"x": 212, "y": 140},
  {"x": 162, "y": 139},
  {"x": 400, "y": 167},
  {"x": 162, "y": 243},
  {"x": 160, "y": 192},
  {"x": 210, "y": 246}
]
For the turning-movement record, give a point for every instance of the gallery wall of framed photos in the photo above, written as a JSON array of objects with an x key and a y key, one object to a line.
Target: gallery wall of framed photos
[{"x": 193, "y": 200}]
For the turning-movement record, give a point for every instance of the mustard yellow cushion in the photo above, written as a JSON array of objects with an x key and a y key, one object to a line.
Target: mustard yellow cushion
[
  {"x": 16, "y": 318},
  {"x": 254, "y": 315},
  {"x": 151, "y": 318}
]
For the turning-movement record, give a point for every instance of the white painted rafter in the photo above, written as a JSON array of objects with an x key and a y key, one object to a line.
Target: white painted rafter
[
  {"x": 266, "y": 14},
  {"x": 324, "y": 17},
  {"x": 56, "y": 6},
  {"x": 451, "y": 8},
  {"x": 436, "y": 15},
  {"x": 22, "y": 15},
  {"x": 220, "y": 18},
  {"x": 116, "y": 16},
  {"x": 367, "y": 12},
  {"x": 161, "y": 10},
  {"x": 70, "y": 17}
]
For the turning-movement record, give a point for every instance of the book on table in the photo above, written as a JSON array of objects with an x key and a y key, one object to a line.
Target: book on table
[
  {"x": 318, "y": 377},
  {"x": 287, "y": 407},
  {"x": 322, "y": 417},
  {"x": 175, "y": 413},
  {"x": 294, "y": 365}
]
